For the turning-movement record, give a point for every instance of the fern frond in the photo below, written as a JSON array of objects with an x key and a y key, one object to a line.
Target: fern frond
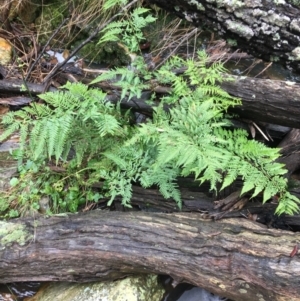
[
  {"x": 66, "y": 124},
  {"x": 232, "y": 173},
  {"x": 111, "y": 36},
  {"x": 53, "y": 127},
  {"x": 180, "y": 87},
  {"x": 80, "y": 150},
  {"x": 108, "y": 4},
  {"x": 113, "y": 75},
  {"x": 192, "y": 138},
  {"x": 38, "y": 137},
  {"x": 288, "y": 203},
  {"x": 11, "y": 129}
]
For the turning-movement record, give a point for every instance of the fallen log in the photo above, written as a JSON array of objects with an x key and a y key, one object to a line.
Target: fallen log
[
  {"x": 271, "y": 101},
  {"x": 240, "y": 260},
  {"x": 15, "y": 100},
  {"x": 290, "y": 147},
  {"x": 16, "y": 86},
  {"x": 266, "y": 29}
]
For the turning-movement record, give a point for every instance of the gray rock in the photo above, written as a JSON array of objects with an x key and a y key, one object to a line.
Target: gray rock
[{"x": 137, "y": 288}]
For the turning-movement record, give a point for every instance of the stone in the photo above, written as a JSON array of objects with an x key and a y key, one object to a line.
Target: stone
[
  {"x": 135, "y": 288},
  {"x": 5, "y": 52}
]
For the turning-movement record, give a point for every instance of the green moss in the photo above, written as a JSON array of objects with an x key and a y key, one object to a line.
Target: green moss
[
  {"x": 13, "y": 233},
  {"x": 49, "y": 21},
  {"x": 109, "y": 53},
  {"x": 231, "y": 42},
  {"x": 26, "y": 12},
  {"x": 294, "y": 2},
  {"x": 148, "y": 288},
  {"x": 274, "y": 58}
]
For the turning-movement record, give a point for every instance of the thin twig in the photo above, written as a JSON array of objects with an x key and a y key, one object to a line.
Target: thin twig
[
  {"x": 269, "y": 65},
  {"x": 43, "y": 50},
  {"x": 5, "y": 16},
  {"x": 193, "y": 32},
  {"x": 262, "y": 133},
  {"x": 96, "y": 31}
]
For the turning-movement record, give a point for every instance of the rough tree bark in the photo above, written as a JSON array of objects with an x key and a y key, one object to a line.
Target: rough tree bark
[
  {"x": 272, "y": 101},
  {"x": 264, "y": 28},
  {"x": 265, "y": 100},
  {"x": 241, "y": 260}
]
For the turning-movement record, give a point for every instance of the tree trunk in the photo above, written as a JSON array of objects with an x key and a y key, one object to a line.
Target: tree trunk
[
  {"x": 266, "y": 29},
  {"x": 15, "y": 86},
  {"x": 272, "y": 101},
  {"x": 240, "y": 260}
]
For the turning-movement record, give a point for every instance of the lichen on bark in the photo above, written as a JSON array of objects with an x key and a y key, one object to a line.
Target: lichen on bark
[
  {"x": 240, "y": 29},
  {"x": 13, "y": 233}
]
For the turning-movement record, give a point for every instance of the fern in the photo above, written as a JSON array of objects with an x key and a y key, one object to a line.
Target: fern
[
  {"x": 128, "y": 80},
  {"x": 108, "y": 4},
  {"x": 112, "y": 32},
  {"x": 49, "y": 132},
  {"x": 97, "y": 141},
  {"x": 129, "y": 30}
]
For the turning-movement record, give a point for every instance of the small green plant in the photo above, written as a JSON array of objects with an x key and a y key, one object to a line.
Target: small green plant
[
  {"x": 128, "y": 30},
  {"x": 42, "y": 189},
  {"x": 96, "y": 141},
  {"x": 194, "y": 137},
  {"x": 92, "y": 140}
]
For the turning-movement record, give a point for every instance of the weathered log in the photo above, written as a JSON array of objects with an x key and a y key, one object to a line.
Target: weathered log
[
  {"x": 15, "y": 100},
  {"x": 272, "y": 101},
  {"x": 241, "y": 260},
  {"x": 290, "y": 147},
  {"x": 263, "y": 28},
  {"x": 265, "y": 100},
  {"x": 15, "y": 86},
  {"x": 195, "y": 199}
]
